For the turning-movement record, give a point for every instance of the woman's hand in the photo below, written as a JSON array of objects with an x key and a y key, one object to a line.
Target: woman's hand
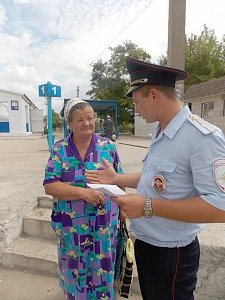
[
  {"x": 92, "y": 196},
  {"x": 107, "y": 176}
]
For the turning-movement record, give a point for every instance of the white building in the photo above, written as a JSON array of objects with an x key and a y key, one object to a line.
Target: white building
[
  {"x": 143, "y": 129},
  {"x": 18, "y": 115},
  {"x": 207, "y": 99}
]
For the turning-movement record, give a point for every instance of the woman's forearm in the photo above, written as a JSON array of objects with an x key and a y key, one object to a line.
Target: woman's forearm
[{"x": 63, "y": 191}]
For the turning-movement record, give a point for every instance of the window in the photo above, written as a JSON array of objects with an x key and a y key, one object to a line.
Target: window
[
  {"x": 4, "y": 111},
  {"x": 14, "y": 105},
  {"x": 190, "y": 106},
  {"x": 207, "y": 109}
]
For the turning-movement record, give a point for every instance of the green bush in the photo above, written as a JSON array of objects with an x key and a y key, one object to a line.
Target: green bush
[{"x": 126, "y": 127}]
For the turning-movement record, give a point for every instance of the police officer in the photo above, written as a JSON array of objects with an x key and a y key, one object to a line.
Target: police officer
[{"x": 181, "y": 186}]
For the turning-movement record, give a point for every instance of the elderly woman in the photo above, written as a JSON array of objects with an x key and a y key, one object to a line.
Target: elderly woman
[{"x": 84, "y": 220}]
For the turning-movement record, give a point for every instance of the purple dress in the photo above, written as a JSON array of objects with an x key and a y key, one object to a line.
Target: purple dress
[{"x": 86, "y": 234}]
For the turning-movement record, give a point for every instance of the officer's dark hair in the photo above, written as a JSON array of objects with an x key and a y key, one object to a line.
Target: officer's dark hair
[{"x": 169, "y": 91}]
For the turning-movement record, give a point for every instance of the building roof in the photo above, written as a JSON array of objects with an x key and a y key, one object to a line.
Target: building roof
[
  {"x": 32, "y": 105},
  {"x": 207, "y": 88}
]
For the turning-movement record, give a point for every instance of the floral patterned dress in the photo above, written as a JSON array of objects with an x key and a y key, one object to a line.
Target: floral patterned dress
[{"x": 86, "y": 234}]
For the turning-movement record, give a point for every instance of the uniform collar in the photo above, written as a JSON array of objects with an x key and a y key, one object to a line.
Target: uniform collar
[{"x": 176, "y": 122}]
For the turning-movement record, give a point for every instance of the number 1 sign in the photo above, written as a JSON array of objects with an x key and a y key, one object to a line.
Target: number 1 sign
[{"x": 49, "y": 90}]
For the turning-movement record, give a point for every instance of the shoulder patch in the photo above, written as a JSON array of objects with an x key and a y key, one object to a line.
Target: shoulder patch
[
  {"x": 219, "y": 173},
  {"x": 202, "y": 125}
]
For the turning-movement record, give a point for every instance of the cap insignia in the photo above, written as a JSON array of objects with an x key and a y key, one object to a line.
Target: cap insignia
[{"x": 139, "y": 81}]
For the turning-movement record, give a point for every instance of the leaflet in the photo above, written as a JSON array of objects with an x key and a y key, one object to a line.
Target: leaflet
[{"x": 108, "y": 189}]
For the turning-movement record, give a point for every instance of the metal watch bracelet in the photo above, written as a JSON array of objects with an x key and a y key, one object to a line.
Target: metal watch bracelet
[{"x": 147, "y": 211}]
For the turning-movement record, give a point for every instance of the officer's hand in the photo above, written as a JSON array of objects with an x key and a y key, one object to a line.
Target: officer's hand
[
  {"x": 107, "y": 176},
  {"x": 131, "y": 204}
]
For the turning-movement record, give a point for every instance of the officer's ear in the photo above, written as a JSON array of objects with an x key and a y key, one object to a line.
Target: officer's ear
[{"x": 155, "y": 93}]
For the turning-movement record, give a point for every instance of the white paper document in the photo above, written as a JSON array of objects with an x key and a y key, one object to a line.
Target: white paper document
[{"x": 108, "y": 189}]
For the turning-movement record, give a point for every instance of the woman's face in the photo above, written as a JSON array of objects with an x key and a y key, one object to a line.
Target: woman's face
[{"x": 83, "y": 122}]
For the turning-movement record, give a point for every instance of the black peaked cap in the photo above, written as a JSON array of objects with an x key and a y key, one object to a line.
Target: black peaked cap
[{"x": 142, "y": 73}]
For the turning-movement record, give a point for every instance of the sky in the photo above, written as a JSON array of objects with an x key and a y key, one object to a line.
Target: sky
[{"x": 57, "y": 40}]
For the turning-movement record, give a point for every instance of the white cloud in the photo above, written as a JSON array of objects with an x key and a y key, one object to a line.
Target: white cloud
[
  {"x": 203, "y": 12},
  {"x": 22, "y": 1},
  {"x": 2, "y": 15},
  {"x": 15, "y": 49},
  {"x": 56, "y": 40}
]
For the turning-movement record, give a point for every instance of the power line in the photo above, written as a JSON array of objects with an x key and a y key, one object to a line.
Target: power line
[{"x": 108, "y": 45}]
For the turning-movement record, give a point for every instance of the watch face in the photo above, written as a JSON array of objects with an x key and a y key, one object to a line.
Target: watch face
[{"x": 147, "y": 213}]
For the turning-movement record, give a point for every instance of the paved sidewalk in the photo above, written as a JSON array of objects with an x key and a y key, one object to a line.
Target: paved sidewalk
[
  {"x": 18, "y": 284},
  {"x": 132, "y": 141},
  {"x": 28, "y": 157}
]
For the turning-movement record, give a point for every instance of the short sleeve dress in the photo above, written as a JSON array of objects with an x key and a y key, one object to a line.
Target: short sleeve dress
[{"x": 86, "y": 234}]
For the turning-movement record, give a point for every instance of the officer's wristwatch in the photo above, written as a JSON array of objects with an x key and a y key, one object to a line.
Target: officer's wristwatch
[{"x": 147, "y": 211}]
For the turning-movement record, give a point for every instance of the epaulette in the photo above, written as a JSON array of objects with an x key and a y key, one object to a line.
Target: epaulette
[{"x": 204, "y": 126}]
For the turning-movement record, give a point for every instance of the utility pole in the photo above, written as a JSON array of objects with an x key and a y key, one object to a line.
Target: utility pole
[
  {"x": 176, "y": 38},
  {"x": 78, "y": 91}
]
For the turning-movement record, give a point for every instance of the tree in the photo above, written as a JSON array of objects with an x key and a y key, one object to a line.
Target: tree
[
  {"x": 204, "y": 57},
  {"x": 204, "y": 60},
  {"x": 55, "y": 120},
  {"x": 110, "y": 81}
]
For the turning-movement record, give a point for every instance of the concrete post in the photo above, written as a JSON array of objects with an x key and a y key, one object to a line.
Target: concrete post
[{"x": 176, "y": 38}]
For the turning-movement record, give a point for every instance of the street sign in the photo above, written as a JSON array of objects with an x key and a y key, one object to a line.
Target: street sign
[{"x": 49, "y": 90}]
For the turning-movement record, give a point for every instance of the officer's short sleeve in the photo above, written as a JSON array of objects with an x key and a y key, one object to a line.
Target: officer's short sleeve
[{"x": 208, "y": 168}]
